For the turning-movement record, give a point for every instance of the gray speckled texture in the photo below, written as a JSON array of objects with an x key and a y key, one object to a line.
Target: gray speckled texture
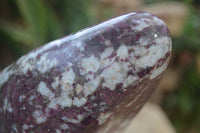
[{"x": 91, "y": 81}]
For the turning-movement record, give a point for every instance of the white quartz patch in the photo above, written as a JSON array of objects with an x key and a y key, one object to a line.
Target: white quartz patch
[
  {"x": 30, "y": 62},
  {"x": 56, "y": 82},
  {"x": 25, "y": 127},
  {"x": 14, "y": 128},
  {"x": 122, "y": 52},
  {"x": 68, "y": 76},
  {"x": 44, "y": 90},
  {"x": 4, "y": 75},
  {"x": 79, "y": 44},
  {"x": 113, "y": 75},
  {"x": 64, "y": 101},
  {"x": 90, "y": 64},
  {"x": 79, "y": 101},
  {"x": 64, "y": 126},
  {"x": 108, "y": 43},
  {"x": 21, "y": 98},
  {"x": 78, "y": 89},
  {"x": 39, "y": 116},
  {"x": 44, "y": 64},
  {"x": 104, "y": 60},
  {"x": 91, "y": 86},
  {"x": 31, "y": 98},
  {"x": 58, "y": 131},
  {"x": 89, "y": 76},
  {"x": 25, "y": 63}
]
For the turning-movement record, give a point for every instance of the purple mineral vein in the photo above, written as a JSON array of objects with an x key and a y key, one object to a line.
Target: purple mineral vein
[{"x": 93, "y": 81}]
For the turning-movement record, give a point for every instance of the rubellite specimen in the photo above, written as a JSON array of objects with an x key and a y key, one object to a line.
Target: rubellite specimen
[{"x": 91, "y": 81}]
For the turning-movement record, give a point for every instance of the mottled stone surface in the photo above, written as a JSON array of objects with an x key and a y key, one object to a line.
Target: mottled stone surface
[{"x": 91, "y": 81}]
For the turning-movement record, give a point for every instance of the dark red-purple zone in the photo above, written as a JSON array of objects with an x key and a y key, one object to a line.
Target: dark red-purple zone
[{"x": 19, "y": 84}]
